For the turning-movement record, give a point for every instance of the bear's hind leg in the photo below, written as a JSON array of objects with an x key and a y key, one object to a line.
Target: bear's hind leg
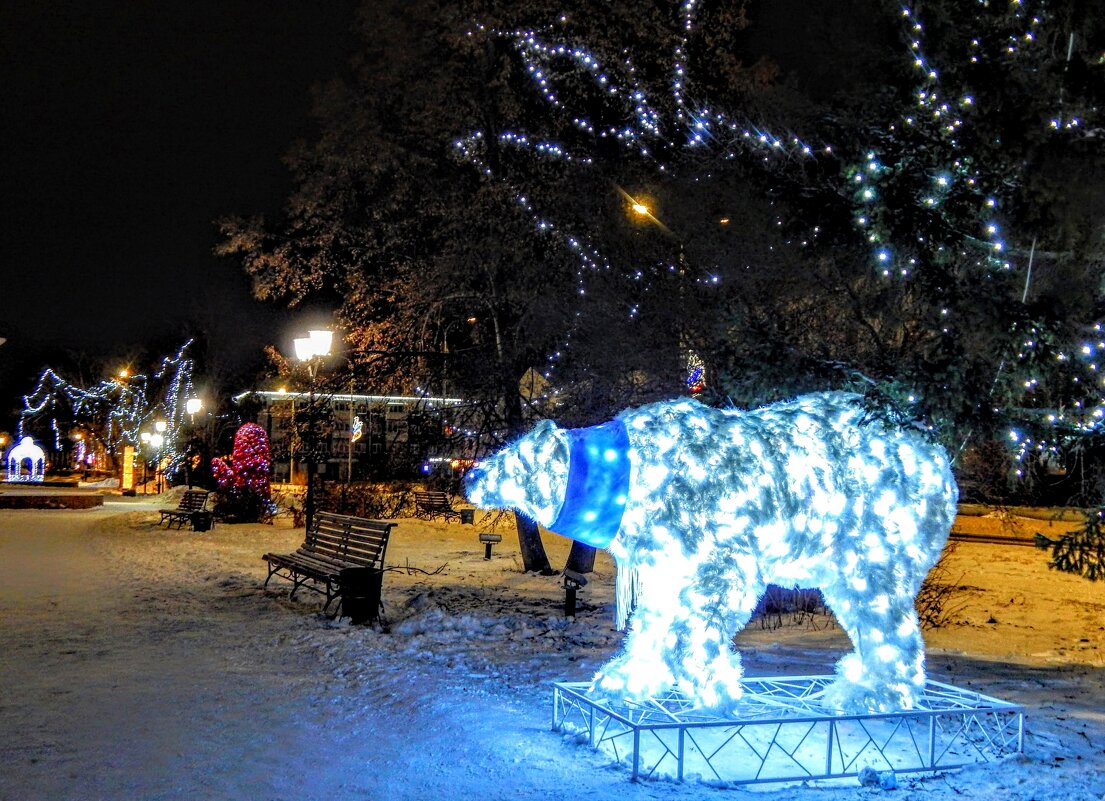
[{"x": 886, "y": 671}]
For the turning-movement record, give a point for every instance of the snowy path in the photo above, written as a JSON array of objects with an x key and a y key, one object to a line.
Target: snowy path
[
  {"x": 107, "y": 668},
  {"x": 120, "y": 682},
  {"x": 137, "y": 663}
]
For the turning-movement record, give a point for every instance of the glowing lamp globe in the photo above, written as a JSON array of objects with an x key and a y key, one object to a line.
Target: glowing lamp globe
[
  {"x": 193, "y": 405},
  {"x": 316, "y": 343},
  {"x": 304, "y": 348},
  {"x": 321, "y": 339}
]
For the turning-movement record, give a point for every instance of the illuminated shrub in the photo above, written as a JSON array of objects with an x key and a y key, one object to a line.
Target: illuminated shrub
[
  {"x": 702, "y": 508},
  {"x": 244, "y": 495}
]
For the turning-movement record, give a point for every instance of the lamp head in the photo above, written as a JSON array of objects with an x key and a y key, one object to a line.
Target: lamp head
[
  {"x": 304, "y": 348},
  {"x": 322, "y": 339}
]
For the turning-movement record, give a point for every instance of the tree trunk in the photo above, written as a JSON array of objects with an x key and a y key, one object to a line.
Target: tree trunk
[
  {"x": 581, "y": 559},
  {"x": 534, "y": 558}
]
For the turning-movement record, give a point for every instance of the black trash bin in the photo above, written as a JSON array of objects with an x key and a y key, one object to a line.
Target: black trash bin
[
  {"x": 360, "y": 593},
  {"x": 202, "y": 521}
]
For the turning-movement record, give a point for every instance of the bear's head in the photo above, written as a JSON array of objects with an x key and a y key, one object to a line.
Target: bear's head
[{"x": 530, "y": 475}]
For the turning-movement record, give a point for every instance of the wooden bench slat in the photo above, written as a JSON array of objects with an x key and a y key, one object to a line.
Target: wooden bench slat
[
  {"x": 324, "y": 542},
  {"x": 338, "y": 549},
  {"x": 339, "y": 545},
  {"x": 360, "y": 560}
]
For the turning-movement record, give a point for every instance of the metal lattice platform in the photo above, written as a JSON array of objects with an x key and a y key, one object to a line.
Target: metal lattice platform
[{"x": 781, "y": 733}]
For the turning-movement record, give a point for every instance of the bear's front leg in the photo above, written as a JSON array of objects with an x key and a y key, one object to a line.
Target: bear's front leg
[
  {"x": 642, "y": 672},
  {"x": 706, "y": 667},
  {"x": 681, "y": 641}
]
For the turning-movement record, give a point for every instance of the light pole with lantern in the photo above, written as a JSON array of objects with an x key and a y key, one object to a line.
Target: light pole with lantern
[
  {"x": 316, "y": 345},
  {"x": 144, "y": 438},
  {"x": 157, "y": 442},
  {"x": 193, "y": 406}
]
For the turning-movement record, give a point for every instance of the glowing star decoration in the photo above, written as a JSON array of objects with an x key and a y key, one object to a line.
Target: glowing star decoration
[
  {"x": 702, "y": 508},
  {"x": 26, "y": 451}
]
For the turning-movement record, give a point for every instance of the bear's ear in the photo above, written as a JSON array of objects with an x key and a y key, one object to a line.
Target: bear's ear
[
  {"x": 545, "y": 435},
  {"x": 543, "y": 428},
  {"x": 543, "y": 442}
]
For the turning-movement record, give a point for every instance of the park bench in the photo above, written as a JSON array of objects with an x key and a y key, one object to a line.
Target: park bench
[
  {"x": 335, "y": 544},
  {"x": 191, "y": 503},
  {"x": 429, "y": 505}
]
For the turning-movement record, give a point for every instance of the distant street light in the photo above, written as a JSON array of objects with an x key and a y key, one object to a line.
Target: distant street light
[
  {"x": 316, "y": 345},
  {"x": 197, "y": 446},
  {"x": 193, "y": 406}
]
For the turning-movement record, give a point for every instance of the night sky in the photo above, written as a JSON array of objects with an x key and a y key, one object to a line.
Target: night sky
[{"x": 128, "y": 127}]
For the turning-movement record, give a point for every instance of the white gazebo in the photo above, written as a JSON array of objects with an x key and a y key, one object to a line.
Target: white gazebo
[{"x": 26, "y": 451}]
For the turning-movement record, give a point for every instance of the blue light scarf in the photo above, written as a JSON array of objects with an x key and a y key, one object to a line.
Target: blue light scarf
[{"x": 598, "y": 484}]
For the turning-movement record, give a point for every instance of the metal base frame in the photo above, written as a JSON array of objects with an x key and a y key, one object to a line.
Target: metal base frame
[{"x": 781, "y": 733}]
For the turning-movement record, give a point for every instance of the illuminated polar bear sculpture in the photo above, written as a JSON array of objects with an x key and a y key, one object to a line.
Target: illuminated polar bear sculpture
[{"x": 702, "y": 508}]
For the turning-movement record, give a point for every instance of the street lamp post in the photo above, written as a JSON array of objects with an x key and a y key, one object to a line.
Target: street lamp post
[
  {"x": 144, "y": 438},
  {"x": 192, "y": 406},
  {"x": 349, "y": 452},
  {"x": 157, "y": 440},
  {"x": 315, "y": 345}
]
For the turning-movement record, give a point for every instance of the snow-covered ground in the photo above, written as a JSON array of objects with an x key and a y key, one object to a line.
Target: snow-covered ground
[{"x": 139, "y": 663}]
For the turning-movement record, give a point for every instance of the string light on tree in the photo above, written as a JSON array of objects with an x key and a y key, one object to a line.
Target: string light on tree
[
  {"x": 918, "y": 190},
  {"x": 115, "y": 409}
]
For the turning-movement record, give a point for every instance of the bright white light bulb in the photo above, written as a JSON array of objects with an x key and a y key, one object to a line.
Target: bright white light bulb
[{"x": 304, "y": 348}]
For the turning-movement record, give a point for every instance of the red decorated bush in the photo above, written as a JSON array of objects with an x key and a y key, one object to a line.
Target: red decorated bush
[{"x": 244, "y": 495}]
